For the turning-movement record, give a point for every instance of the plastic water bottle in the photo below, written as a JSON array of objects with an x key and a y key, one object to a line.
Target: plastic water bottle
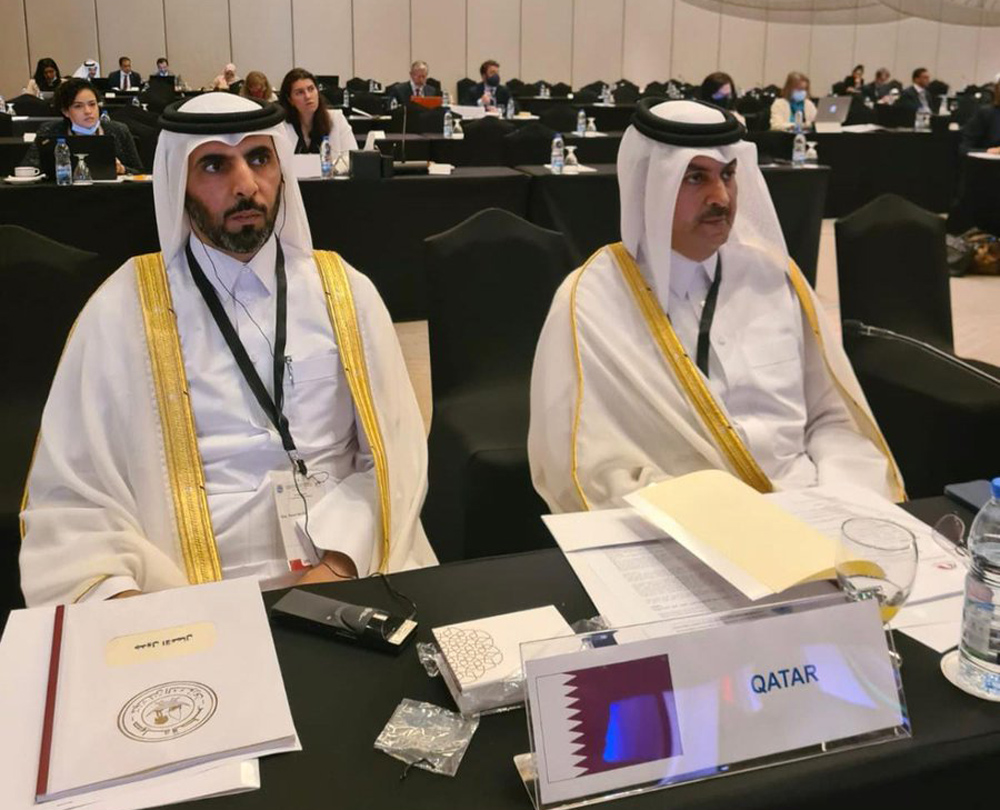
[
  {"x": 136, "y": 102},
  {"x": 3, "y": 105},
  {"x": 979, "y": 649},
  {"x": 558, "y": 154},
  {"x": 799, "y": 151},
  {"x": 64, "y": 165},
  {"x": 445, "y": 99},
  {"x": 923, "y": 121},
  {"x": 347, "y": 98},
  {"x": 581, "y": 123},
  {"x": 510, "y": 109},
  {"x": 449, "y": 124},
  {"x": 105, "y": 118},
  {"x": 797, "y": 125},
  {"x": 326, "y": 158}
]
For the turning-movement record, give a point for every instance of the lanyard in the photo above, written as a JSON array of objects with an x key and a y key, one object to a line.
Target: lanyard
[
  {"x": 707, "y": 315},
  {"x": 272, "y": 407}
]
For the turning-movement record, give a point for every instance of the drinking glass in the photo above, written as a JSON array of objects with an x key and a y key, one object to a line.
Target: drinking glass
[
  {"x": 877, "y": 558},
  {"x": 81, "y": 174}
]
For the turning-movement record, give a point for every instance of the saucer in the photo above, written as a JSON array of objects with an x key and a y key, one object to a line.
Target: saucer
[{"x": 24, "y": 180}]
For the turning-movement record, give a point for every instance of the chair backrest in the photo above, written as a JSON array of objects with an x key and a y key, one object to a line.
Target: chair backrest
[
  {"x": 561, "y": 90},
  {"x": 560, "y": 117},
  {"x": 357, "y": 84},
  {"x": 6, "y": 125},
  {"x": 464, "y": 88},
  {"x": 892, "y": 270},
  {"x": 490, "y": 281},
  {"x": 436, "y": 83},
  {"x": 529, "y": 145},
  {"x": 27, "y": 104},
  {"x": 484, "y": 141}
]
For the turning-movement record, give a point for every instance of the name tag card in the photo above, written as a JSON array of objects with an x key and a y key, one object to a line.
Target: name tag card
[{"x": 647, "y": 707}]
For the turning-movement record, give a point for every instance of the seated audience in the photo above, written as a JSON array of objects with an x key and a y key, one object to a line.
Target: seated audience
[
  {"x": 256, "y": 85},
  {"x": 489, "y": 92},
  {"x": 981, "y": 133},
  {"x": 46, "y": 78},
  {"x": 227, "y": 80},
  {"x": 718, "y": 89},
  {"x": 79, "y": 102},
  {"x": 90, "y": 69},
  {"x": 125, "y": 78},
  {"x": 416, "y": 86},
  {"x": 917, "y": 96},
  {"x": 163, "y": 67},
  {"x": 308, "y": 119},
  {"x": 855, "y": 83},
  {"x": 880, "y": 90},
  {"x": 794, "y": 98}
]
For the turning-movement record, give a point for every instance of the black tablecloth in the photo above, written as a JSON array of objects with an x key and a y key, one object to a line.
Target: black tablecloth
[
  {"x": 587, "y": 209},
  {"x": 920, "y": 166},
  {"x": 978, "y": 198},
  {"x": 30, "y": 124},
  {"x": 341, "y": 697},
  {"x": 608, "y": 117},
  {"x": 12, "y": 151}
]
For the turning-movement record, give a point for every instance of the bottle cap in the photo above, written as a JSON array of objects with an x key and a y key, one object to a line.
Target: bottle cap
[{"x": 995, "y": 487}]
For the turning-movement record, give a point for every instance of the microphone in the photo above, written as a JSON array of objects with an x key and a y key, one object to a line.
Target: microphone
[{"x": 856, "y": 327}]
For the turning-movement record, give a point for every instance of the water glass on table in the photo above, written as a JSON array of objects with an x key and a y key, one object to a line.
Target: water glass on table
[{"x": 877, "y": 559}]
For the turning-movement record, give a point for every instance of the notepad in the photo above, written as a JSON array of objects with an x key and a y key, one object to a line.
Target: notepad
[{"x": 754, "y": 544}]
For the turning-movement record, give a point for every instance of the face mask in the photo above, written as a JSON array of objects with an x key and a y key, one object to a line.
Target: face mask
[
  {"x": 77, "y": 129},
  {"x": 722, "y": 94},
  {"x": 798, "y": 96},
  {"x": 494, "y": 80}
]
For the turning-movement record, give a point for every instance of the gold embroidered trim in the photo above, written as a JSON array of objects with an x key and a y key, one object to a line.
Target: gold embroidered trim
[
  {"x": 868, "y": 425},
  {"x": 343, "y": 316},
  {"x": 180, "y": 441},
  {"x": 701, "y": 399}
]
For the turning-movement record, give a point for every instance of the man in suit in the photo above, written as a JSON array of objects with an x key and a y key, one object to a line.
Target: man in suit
[
  {"x": 416, "y": 86},
  {"x": 917, "y": 96},
  {"x": 490, "y": 93},
  {"x": 124, "y": 78}
]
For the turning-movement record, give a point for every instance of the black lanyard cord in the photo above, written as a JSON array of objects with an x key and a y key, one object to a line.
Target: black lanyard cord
[
  {"x": 273, "y": 407},
  {"x": 707, "y": 316}
]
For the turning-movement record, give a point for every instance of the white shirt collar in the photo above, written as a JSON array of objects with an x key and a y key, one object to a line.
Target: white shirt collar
[
  {"x": 225, "y": 272},
  {"x": 687, "y": 275}
]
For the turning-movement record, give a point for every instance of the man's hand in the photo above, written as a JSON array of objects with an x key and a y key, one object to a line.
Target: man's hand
[
  {"x": 334, "y": 567},
  {"x": 487, "y": 100},
  {"x": 994, "y": 150},
  {"x": 119, "y": 168}
]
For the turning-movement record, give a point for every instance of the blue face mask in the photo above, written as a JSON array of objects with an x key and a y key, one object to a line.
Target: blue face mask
[
  {"x": 78, "y": 130},
  {"x": 798, "y": 96},
  {"x": 494, "y": 80}
]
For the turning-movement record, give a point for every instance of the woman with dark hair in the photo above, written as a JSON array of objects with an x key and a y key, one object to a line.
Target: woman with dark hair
[
  {"x": 981, "y": 133},
  {"x": 794, "y": 99},
  {"x": 855, "y": 83},
  {"x": 719, "y": 89},
  {"x": 46, "y": 78},
  {"x": 79, "y": 102},
  {"x": 308, "y": 119}
]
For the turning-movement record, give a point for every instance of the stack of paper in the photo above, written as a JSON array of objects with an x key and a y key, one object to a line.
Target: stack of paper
[{"x": 140, "y": 702}]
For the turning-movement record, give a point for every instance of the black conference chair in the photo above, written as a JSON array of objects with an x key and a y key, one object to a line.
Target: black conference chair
[
  {"x": 560, "y": 117},
  {"x": 358, "y": 85},
  {"x": 530, "y": 145},
  {"x": 561, "y": 90},
  {"x": 490, "y": 281},
  {"x": 34, "y": 106},
  {"x": 593, "y": 87},
  {"x": 936, "y": 410},
  {"x": 45, "y": 286},
  {"x": 626, "y": 92},
  {"x": 435, "y": 83},
  {"x": 464, "y": 88},
  {"x": 655, "y": 90},
  {"x": 484, "y": 141}
]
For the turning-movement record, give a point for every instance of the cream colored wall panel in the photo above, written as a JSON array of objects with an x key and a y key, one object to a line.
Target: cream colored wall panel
[
  {"x": 598, "y": 40},
  {"x": 648, "y": 37},
  {"x": 696, "y": 42},
  {"x": 788, "y": 47},
  {"x": 956, "y": 60},
  {"x": 14, "y": 66},
  {"x": 917, "y": 46},
  {"x": 382, "y": 39},
  {"x": 494, "y": 32},
  {"x": 198, "y": 38},
  {"x": 323, "y": 37},
  {"x": 988, "y": 61},
  {"x": 831, "y": 56},
  {"x": 547, "y": 40},
  {"x": 66, "y": 30},
  {"x": 262, "y": 37},
  {"x": 874, "y": 47},
  {"x": 133, "y": 29},
  {"x": 741, "y": 50},
  {"x": 438, "y": 36}
]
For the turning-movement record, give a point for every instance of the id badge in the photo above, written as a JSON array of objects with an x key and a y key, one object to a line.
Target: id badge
[{"x": 290, "y": 506}]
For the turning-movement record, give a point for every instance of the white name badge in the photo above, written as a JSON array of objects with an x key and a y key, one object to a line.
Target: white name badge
[
  {"x": 659, "y": 708},
  {"x": 292, "y": 502}
]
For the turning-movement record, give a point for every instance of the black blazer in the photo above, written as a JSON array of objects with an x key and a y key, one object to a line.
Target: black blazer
[
  {"x": 910, "y": 99},
  {"x": 115, "y": 80},
  {"x": 401, "y": 91},
  {"x": 476, "y": 93},
  {"x": 981, "y": 131},
  {"x": 125, "y": 149}
]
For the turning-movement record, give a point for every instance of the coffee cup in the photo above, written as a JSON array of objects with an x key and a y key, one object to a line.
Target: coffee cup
[{"x": 26, "y": 171}]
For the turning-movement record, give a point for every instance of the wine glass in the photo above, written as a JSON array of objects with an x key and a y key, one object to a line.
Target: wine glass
[
  {"x": 877, "y": 558},
  {"x": 591, "y": 125},
  {"x": 572, "y": 164},
  {"x": 81, "y": 174}
]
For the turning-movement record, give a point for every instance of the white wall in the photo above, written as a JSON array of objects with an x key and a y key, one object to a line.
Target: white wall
[{"x": 575, "y": 41}]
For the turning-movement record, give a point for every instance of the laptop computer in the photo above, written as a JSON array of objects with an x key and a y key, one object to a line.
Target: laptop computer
[
  {"x": 327, "y": 82},
  {"x": 101, "y": 84},
  {"x": 99, "y": 149},
  {"x": 833, "y": 109}
]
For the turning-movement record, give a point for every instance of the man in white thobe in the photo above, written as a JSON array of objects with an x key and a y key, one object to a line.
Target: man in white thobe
[
  {"x": 694, "y": 343},
  {"x": 164, "y": 455}
]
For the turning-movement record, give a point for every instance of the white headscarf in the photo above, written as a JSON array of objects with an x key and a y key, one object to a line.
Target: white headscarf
[
  {"x": 649, "y": 177},
  {"x": 83, "y": 72},
  {"x": 170, "y": 170}
]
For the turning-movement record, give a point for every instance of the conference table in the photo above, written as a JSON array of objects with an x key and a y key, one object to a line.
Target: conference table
[
  {"x": 978, "y": 199},
  {"x": 342, "y": 696},
  {"x": 378, "y": 226},
  {"x": 607, "y": 116}
]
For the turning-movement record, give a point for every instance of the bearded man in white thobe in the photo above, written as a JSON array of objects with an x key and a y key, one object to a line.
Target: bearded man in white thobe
[
  {"x": 695, "y": 343},
  {"x": 236, "y": 376}
]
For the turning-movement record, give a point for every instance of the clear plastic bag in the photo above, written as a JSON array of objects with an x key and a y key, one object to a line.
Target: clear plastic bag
[{"x": 426, "y": 736}]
